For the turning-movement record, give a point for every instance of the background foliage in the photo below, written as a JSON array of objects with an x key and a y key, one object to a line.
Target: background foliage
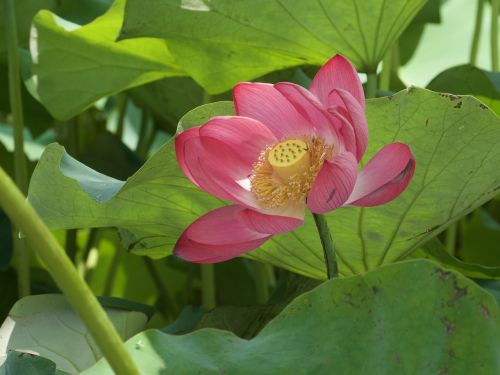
[{"x": 106, "y": 85}]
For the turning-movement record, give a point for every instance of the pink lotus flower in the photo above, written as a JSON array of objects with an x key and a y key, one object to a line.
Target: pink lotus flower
[{"x": 286, "y": 149}]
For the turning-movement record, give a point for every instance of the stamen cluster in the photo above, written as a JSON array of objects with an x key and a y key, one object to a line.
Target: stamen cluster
[{"x": 271, "y": 186}]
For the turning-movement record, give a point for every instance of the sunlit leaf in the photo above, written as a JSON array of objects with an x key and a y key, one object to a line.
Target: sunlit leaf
[
  {"x": 221, "y": 42},
  {"x": 75, "y": 65}
]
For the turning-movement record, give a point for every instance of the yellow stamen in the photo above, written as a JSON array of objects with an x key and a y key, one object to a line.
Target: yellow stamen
[{"x": 286, "y": 171}]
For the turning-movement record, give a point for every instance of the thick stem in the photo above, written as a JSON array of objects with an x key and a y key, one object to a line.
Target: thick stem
[
  {"x": 371, "y": 85},
  {"x": 20, "y": 171},
  {"x": 207, "y": 286},
  {"x": 66, "y": 277},
  {"x": 495, "y": 10},
  {"x": 261, "y": 282},
  {"x": 332, "y": 269},
  {"x": 477, "y": 31}
]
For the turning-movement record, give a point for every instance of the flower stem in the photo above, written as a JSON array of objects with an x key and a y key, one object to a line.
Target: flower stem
[
  {"x": 66, "y": 277},
  {"x": 121, "y": 106},
  {"x": 207, "y": 286},
  {"x": 20, "y": 168},
  {"x": 261, "y": 282},
  {"x": 332, "y": 269},
  {"x": 477, "y": 31},
  {"x": 495, "y": 11},
  {"x": 371, "y": 85}
]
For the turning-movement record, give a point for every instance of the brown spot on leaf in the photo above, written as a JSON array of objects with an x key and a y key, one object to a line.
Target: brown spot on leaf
[
  {"x": 442, "y": 274},
  {"x": 485, "y": 312},
  {"x": 459, "y": 294},
  {"x": 375, "y": 290},
  {"x": 448, "y": 324},
  {"x": 482, "y": 106},
  {"x": 458, "y": 105}
]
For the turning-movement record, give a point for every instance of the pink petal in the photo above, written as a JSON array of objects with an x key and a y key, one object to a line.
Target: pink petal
[
  {"x": 312, "y": 110},
  {"x": 219, "y": 235},
  {"x": 181, "y": 152},
  {"x": 385, "y": 176},
  {"x": 343, "y": 104},
  {"x": 337, "y": 73},
  {"x": 270, "y": 224},
  {"x": 261, "y": 101},
  {"x": 334, "y": 183},
  {"x": 246, "y": 138},
  {"x": 204, "y": 169}
]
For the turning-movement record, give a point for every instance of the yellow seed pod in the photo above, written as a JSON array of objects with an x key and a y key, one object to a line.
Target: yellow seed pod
[{"x": 289, "y": 158}]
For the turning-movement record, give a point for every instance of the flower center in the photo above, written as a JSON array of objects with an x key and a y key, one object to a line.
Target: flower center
[
  {"x": 289, "y": 158},
  {"x": 286, "y": 171}
]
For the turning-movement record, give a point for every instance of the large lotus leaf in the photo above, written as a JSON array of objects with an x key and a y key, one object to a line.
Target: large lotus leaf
[
  {"x": 406, "y": 318},
  {"x": 75, "y": 65},
  {"x": 46, "y": 325},
  {"x": 221, "y": 42},
  {"x": 469, "y": 80},
  {"x": 456, "y": 145}
]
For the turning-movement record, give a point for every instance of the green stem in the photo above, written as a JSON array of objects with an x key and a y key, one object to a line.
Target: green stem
[
  {"x": 113, "y": 269},
  {"x": 495, "y": 11},
  {"x": 477, "y": 32},
  {"x": 22, "y": 262},
  {"x": 71, "y": 244},
  {"x": 371, "y": 85},
  {"x": 143, "y": 132},
  {"x": 121, "y": 106},
  {"x": 92, "y": 240},
  {"x": 81, "y": 123},
  {"x": 207, "y": 286},
  {"x": 20, "y": 171},
  {"x": 165, "y": 298},
  {"x": 66, "y": 277},
  {"x": 332, "y": 269},
  {"x": 385, "y": 76},
  {"x": 451, "y": 238},
  {"x": 261, "y": 282},
  {"x": 271, "y": 277}
]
